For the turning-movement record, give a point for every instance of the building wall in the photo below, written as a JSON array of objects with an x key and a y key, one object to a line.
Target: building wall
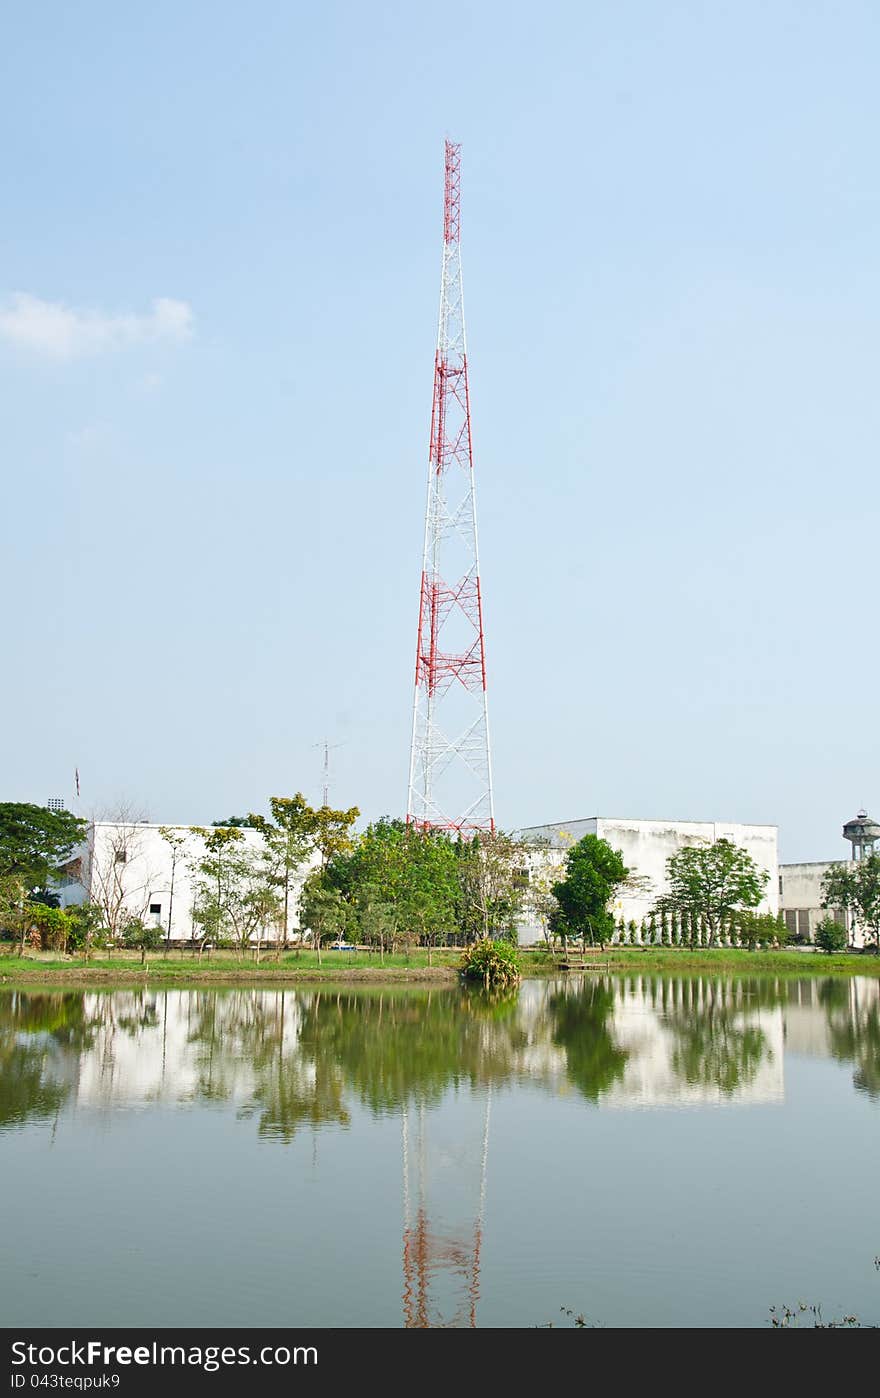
[
  {"x": 646, "y": 845},
  {"x": 800, "y": 889},
  {"x": 141, "y": 883}
]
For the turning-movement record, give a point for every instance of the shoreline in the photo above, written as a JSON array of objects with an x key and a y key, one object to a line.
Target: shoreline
[
  {"x": 159, "y": 972},
  {"x": 260, "y": 977},
  {"x": 738, "y": 961}
]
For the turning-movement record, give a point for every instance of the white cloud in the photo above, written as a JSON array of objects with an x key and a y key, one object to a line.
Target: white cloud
[{"x": 51, "y": 328}]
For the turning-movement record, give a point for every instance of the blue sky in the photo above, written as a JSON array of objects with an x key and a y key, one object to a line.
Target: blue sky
[{"x": 220, "y": 237}]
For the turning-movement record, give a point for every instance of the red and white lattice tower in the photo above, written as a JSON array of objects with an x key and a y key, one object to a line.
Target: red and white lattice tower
[{"x": 450, "y": 770}]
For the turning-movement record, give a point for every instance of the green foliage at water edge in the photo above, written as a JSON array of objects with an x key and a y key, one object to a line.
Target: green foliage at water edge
[{"x": 492, "y": 962}]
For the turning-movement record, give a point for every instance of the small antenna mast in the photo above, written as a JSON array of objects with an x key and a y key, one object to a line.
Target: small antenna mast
[{"x": 328, "y": 747}]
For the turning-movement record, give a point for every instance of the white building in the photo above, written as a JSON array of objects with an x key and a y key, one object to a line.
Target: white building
[
  {"x": 800, "y": 898},
  {"x": 645, "y": 845},
  {"x": 800, "y": 885},
  {"x": 136, "y": 869}
]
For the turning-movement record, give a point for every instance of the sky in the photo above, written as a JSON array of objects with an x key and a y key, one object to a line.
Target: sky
[{"x": 220, "y": 237}]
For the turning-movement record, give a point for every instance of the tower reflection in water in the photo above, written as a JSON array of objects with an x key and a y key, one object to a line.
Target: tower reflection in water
[{"x": 444, "y": 1199}]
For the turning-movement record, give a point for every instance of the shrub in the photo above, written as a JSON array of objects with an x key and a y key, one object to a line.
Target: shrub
[
  {"x": 831, "y": 936},
  {"x": 141, "y": 936},
  {"x": 761, "y": 930},
  {"x": 492, "y": 962}
]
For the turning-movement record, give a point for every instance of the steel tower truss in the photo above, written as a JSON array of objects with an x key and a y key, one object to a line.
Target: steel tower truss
[{"x": 450, "y": 774}]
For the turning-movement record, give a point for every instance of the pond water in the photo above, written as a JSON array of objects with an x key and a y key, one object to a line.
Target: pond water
[{"x": 644, "y": 1150}]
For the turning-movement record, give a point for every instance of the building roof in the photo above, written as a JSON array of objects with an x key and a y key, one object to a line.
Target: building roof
[{"x": 861, "y": 827}]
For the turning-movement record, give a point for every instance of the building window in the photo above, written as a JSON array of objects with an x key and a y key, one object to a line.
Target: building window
[
  {"x": 155, "y": 907},
  {"x": 120, "y": 856},
  {"x": 55, "y": 803}
]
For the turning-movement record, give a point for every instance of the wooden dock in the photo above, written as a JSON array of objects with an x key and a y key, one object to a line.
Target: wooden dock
[{"x": 585, "y": 963}]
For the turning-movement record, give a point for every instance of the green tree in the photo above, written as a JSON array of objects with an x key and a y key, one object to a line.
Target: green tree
[
  {"x": 53, "y": 925},
  {"x": 856, "y": 888},
  {"x": 377, "y": 920},
  {"x": 831, "y": 936},
  {"x": 323, "y": 910},
  {"x": 493, "y": 885},
  {"x": 210, "y": 871},
  {"x": 400, "y": 883},
  {"x": 707, "y": 882},
  {"x": 540, "y": 900},
  {"x": 235, "y": 898},
  {"x": 430, "y": 889},
  {"x": 85, "y": 925},
  {"x": 35, "y": 922},
  {"x": 176, "y": 845},
  {"x": 13, "y": 900},
  {"x": 332, "y": 833},
  {"x": 290, "y": 838},
  {"x": 761, "y": 930},
  {"x": 35, "y": 842},
  {"x": 593, "y": 873},
  {"x": 370, "y": 875},
  {"x": 141, "y": 936}
]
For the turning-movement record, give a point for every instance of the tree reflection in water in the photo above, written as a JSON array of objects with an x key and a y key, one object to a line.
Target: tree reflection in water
[
  {"x": 852, "y": 1009},
  {"x": 290, "y": 1059},
  {"x": 305, "y": 1052},
  {"x": 580, "y": 1024},
  {"x": 716, "y": 1045},
  {"x": 41, "y": 1040}
]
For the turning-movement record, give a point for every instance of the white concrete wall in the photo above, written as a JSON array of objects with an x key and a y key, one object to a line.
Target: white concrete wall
[
  {"x": 646, "y": 845},
  {"x": 145, "y": 875},
  {"x": 801, "y": 899}
]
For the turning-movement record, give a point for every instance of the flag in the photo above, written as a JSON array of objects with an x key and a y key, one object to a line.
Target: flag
[{"x": 77, "y": 781}]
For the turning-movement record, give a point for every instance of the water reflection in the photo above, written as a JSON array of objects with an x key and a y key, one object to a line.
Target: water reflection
[
  {"x": 720, "y": 1040},
  {"x": 42, "y": 1038},
  {"x": 854, "y": 1031},
  {"x": 581, "y": 1021},
  {"x": 284, "y": 1062},
  {"x": 288, "y": 1059}
]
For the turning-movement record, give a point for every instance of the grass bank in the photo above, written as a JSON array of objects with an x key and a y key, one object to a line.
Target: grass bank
[
  {"x": 700, "y": 960},
  {"x": 225, "y": 968}
]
